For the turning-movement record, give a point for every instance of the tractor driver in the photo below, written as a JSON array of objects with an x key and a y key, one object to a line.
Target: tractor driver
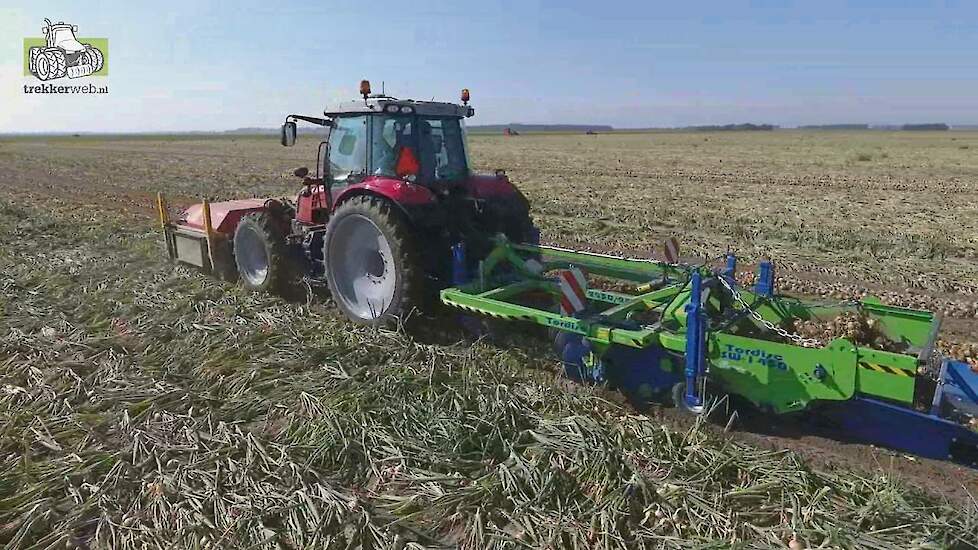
[
  {"x": 429, "y": 145},
  {"x": 390, "y": 136}
]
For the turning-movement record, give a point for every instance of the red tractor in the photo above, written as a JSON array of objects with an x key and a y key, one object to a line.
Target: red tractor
[{"x": 392, "y": 194}]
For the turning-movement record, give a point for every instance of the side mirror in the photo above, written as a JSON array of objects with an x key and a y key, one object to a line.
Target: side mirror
[
  {"x": 74, "y": 28},
  {"x": 44, "y": 30},
  {"x": 301, "y": 172},
  {"x": 288, "y": 134}
]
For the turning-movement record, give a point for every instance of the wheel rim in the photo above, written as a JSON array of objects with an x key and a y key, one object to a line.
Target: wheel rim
[
  {"x": 252, "y": 257},
  {"x": 361, "y": 268}
]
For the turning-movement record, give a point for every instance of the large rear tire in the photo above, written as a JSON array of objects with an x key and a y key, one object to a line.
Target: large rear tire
[
  {"x": 94, "y": 57},
  {"x": 372, "y": 264},
  {"x": 261, "y": 255}
]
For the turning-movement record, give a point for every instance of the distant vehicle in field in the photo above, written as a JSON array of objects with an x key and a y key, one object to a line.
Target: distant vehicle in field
[
  {"x": 63, "y": 54},
  {"x": 510, "y": 132}
]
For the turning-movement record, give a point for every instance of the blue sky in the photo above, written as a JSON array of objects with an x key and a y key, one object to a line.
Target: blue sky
[{"x": 186, "y": 65}]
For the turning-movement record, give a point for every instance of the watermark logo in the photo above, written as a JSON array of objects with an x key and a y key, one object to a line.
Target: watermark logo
[{"x": 62, "y": 53}]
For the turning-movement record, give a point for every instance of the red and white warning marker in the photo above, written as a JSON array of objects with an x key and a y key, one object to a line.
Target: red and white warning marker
[
  {"x": 670, "y": 250},
  {"x": 573, "y": 291}
]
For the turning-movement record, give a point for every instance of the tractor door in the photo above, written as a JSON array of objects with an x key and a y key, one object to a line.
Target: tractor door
[
  {"x": 391, "y": 139},
  {"x": 347, "y": 154}
]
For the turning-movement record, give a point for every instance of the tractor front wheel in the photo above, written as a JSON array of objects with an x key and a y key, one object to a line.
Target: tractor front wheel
[
  {"x": 260, "y": 253},
  {"x": 57, "y": 63},
  {"x": 371, "y": 262},
  {"x": 42, "y": 67}
]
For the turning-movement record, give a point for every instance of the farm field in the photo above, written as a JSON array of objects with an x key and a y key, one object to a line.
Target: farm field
[{"x": 146, "y": 405}]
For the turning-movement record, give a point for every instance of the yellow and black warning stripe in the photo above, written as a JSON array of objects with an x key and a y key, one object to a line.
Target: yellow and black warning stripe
[
  {"x": 504, "y": 316},
  {"x": 886, "y": 370}
]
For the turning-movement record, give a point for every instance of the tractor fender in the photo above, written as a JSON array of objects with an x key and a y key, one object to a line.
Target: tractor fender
[
  {"x": 415, "y": 202},
  {"x": 395, "y": 190},
  {"x": 413, "y": 213}
]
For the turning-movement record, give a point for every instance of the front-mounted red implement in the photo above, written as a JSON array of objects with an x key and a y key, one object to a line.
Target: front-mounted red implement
[{"x": 202, "y": 237}]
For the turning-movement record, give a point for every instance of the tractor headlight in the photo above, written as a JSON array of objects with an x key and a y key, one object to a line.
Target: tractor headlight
[
  {"x": 407, "y": 109},
  {"x": 391, "y": 108}
]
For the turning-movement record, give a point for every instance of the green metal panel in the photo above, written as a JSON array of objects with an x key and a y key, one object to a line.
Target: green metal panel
[
  {"x": 902, "y": 324},
  {"x": 888, "y": 386},
  {"x": 629, "y": 269},
  {"x": 782, "y": 377},
  {"x": 888, "y": 375}
]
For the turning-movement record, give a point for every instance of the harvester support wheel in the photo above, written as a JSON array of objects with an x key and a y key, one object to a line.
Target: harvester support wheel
[
  {"x": 679, "y": 400},
  {"x": 372, "y": 262},
  {"x": 260, "y": 253},
  {"x": 58, "y": 65}
]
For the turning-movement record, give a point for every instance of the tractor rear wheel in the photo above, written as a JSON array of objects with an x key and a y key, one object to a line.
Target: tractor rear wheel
[
  {"x": 371, "y": 262},
  {"x": 94, "y": 57},
  {"x": 260, "y": 253},
  {"x": 512, "y": 218}
]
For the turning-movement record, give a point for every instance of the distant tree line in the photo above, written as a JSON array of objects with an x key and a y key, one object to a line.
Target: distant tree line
[
  {"x": 934, "y": 127},
  {"x": 931, "y": 127},
  {"x": 835, "y": 127},
  {"x": 519, "y": 128},
  {"x": 733, "y": 128}
]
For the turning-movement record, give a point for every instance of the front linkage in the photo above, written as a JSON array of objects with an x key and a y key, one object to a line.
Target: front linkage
[{"x": 661, "y": 331}]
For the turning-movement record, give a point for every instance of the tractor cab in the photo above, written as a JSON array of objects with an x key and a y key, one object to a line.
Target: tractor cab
[
  {"x": 62, "y": 35},
  {"x": 382, "y": 137}
]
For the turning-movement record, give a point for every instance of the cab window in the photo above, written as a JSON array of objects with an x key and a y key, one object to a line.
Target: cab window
[
  {"x": 348, "y": 150},
  {"x": 390, "y": 134}
]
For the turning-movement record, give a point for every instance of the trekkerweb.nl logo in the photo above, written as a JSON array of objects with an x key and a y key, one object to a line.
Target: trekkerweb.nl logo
[{"x": 59, "y": 54}]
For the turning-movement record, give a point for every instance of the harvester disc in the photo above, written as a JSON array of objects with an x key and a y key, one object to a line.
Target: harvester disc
[{"x": 679, "y": 400}]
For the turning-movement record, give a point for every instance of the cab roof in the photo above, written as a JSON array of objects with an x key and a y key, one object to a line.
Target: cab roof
[{"x": 379, "y": 104}]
